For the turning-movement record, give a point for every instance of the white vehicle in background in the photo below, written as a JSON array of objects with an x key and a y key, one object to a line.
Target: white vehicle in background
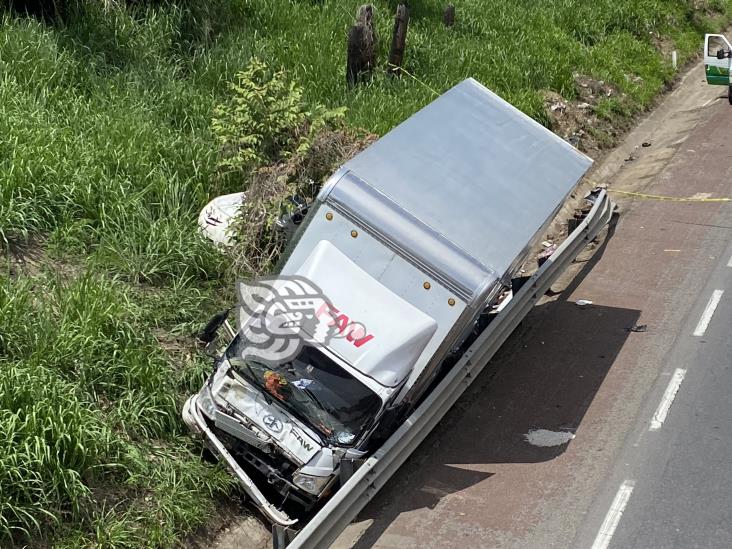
[
  {"x": 717, "y": 57},
  {"x": 399, "y": 264}
]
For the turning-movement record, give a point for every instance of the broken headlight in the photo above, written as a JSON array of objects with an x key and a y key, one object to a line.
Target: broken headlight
[
  {"x": 310, "y": 483},
  {"x": 205, "y": 402}
]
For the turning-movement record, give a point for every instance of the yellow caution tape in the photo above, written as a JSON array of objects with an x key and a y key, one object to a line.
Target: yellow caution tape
[
  {"x": 670, "y": 198},
  {"x": 410, "y": 75}
]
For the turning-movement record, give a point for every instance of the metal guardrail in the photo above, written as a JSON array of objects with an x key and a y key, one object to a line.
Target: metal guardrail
[{"x": 353, "y": 496}]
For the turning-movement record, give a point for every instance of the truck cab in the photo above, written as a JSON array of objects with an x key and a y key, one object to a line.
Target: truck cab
[{"x": 293, "y": 417}]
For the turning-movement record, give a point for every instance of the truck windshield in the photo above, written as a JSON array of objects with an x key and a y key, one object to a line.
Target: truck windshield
[{"x": 316, "y": 390}]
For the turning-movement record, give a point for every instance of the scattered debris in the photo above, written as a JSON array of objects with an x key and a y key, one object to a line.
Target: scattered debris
[
  {"x": 638, "y": 328},
  {"x": 560, "y": 106},
  {"x": 546, "y": 438},
  {"x": 589, "y": 88},
  {"x": 577, "y": 120},
  {"x": 546, "y": 254},
  {"x": 645, "y": 144},
  {"x": 583, "y": 302},
  {"x": 574, "y": 140},
  {"x": 546, "y": 243},
  {"x": 631, "y": 158},
  {"x": 302, "y": 383}
]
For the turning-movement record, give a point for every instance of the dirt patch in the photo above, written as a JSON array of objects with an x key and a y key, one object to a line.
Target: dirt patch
[
  {"x": 663, "y": 44},
  {"x": 26, "y": 256},
  {"x": 232, "y": 526},
  {"x": 581, "y": 122},
  {"x": 180, "y": 348},
  {"x": 591, "y": 89},
  {"x": 29, "y": 257}
]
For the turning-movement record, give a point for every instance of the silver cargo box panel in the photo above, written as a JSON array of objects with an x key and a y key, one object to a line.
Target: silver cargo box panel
[
  {"x": 475, "y": 170},
  {"x": 419, "y": 243}
]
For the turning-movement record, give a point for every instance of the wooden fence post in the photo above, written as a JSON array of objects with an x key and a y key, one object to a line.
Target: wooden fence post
[
  {"x": 361, "y": 52},
  {"x": 398, "y": 40},
  {"x": 448, "y": 17}
]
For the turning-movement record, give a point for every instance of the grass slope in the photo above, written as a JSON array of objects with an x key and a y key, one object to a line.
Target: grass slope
[{"x": 106, "y": 157}]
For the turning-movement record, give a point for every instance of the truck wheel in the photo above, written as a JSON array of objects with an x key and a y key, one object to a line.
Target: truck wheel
[{"x": 729, "y": 95}]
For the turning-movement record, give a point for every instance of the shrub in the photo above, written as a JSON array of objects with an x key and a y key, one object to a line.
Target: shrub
[
  {"x": 266, "y": 120},
  {"x": 259, "y": 239}
]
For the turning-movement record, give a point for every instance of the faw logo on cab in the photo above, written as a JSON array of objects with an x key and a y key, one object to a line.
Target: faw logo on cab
[{"x": 354, "y": 332}]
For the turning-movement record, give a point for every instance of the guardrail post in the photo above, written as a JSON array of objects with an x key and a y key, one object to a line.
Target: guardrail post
[
  {"x": 282, "y": 536},
  {"x": 348, "y": 467},
  {"x": 398, "y": 40}
]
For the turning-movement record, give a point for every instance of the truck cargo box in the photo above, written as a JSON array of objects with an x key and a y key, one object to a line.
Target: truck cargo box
[
  {"x": 469, "y": 168},
  {"x": 451, "y": 199}
]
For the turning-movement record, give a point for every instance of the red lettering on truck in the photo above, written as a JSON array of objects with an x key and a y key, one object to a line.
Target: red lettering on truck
[{"x": 355, "y": 332}]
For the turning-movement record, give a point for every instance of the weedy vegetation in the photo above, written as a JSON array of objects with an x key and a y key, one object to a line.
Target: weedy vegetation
[{"x": 118, "y": 122}]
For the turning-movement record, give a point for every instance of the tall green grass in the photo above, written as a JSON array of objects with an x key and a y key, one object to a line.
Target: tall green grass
[
  {"x": 89, "y": 415},
  {"x": 126, "y": 96},
  {"x": 516, "y": 48},
  {"x": 106, "y": 158}
]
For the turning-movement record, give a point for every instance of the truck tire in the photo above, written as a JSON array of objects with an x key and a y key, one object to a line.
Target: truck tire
[{"x": 729, "y": 95}]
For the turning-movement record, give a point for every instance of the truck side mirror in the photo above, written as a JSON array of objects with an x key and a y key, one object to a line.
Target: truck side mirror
[
  {"x": 208, "y": 333},
  {"x": 721, "y": 54}
]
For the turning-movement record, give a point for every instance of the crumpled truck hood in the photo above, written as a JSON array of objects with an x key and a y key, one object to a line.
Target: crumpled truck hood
[{"x": 292, "y": 437}]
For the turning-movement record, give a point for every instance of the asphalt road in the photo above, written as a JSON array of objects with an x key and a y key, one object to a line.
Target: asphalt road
[
  {"x": 679, "y": 468},
  {"x": 581, "y": 375}
]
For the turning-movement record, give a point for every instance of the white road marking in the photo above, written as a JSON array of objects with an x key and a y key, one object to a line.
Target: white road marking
[
  {"x": 706, "y": 316},
  {"x": 612, "y": 519},
  {"x": 729, "y": 263},
  {"x": 668, "y": 398}
]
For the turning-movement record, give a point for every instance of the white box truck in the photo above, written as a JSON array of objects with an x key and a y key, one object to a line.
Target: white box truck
[{"x": 399, "y": 262}]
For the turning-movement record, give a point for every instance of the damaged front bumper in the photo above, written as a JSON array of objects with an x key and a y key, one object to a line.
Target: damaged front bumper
[{"x": 197, "y": 423}]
